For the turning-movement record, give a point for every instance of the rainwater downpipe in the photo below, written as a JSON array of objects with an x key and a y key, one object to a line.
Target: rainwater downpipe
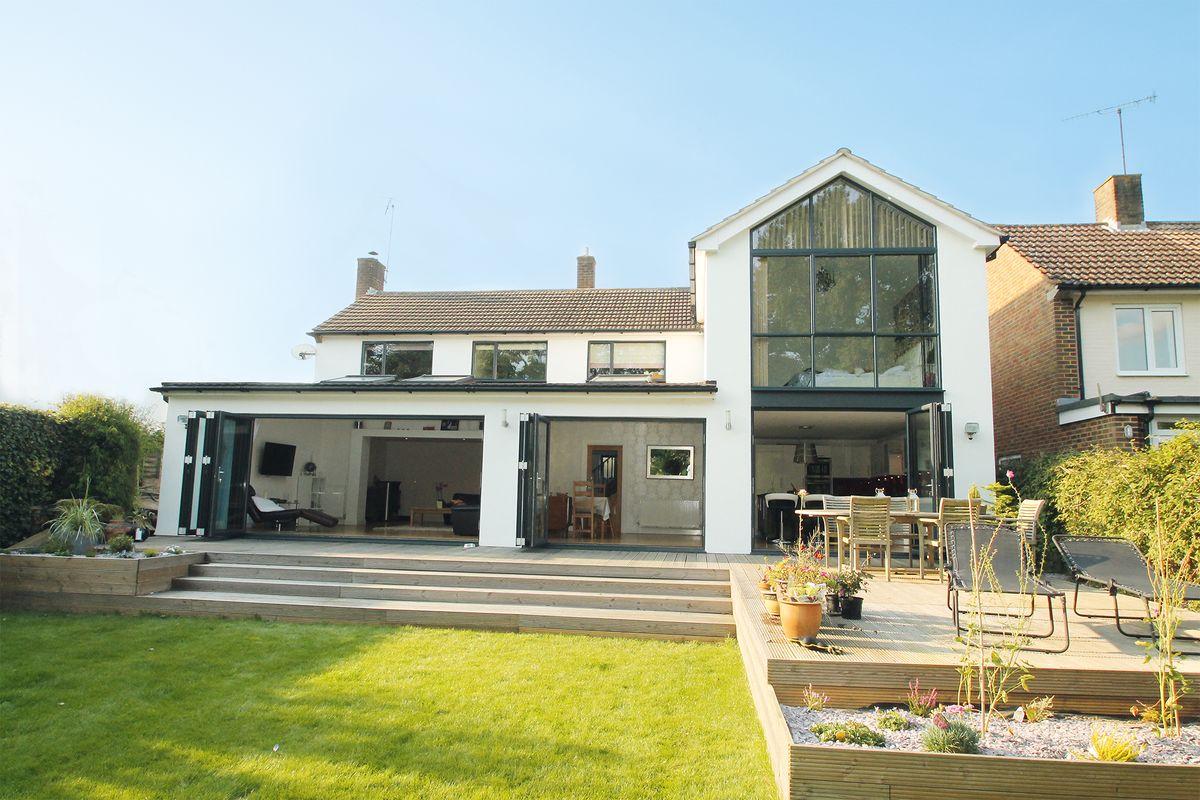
[{"x": 1079, "y": 342}]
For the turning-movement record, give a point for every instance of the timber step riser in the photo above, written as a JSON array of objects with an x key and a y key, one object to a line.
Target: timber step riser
[
  {"x": 479, "y": 565},
  {"x": 456, "y": 594},
  {"x": 477, "y": 580},
  {"x": 664, "y": 625}
]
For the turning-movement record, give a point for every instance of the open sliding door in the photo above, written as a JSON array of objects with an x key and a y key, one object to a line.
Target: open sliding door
[
  {"x": 216, "y": 469},
  {"x": 930, "y": 451},
  {"x": 533, "y": 484}
]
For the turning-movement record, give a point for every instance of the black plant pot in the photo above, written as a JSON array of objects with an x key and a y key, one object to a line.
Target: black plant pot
[
  {"x": 833, "y": 605},
  {"x": 852, "y": 607}
]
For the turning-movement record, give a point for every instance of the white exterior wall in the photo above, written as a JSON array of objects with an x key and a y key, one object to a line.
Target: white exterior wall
[
  {"x": 1098, "y": 332},
  {"x": 566, "y": 354}
]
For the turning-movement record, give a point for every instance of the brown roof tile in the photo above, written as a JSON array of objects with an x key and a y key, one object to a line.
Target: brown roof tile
[
  {"x": 516, "y": 311},
  {"x": 1164, "y": 254}
]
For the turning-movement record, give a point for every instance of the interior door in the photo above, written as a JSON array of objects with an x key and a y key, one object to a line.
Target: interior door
[
  {"x": 604, "y": 462},
  {"x": 533, "y": 483},
  {"x": 930, "y": 452},
  {"x": 216, "y": 467}
]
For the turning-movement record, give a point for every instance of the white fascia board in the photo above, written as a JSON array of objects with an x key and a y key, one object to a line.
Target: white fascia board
[
  {"x": 1082, "y": 414},
  {"x": 843, "y": 162}
]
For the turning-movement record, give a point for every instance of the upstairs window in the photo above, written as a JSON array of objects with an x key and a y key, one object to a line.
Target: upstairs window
[
  {"x": 627, "y": 361},
  {"x": 843, "y": 294},
  {"x": 509, "y": 361},
  {"x": 399, "y": 359},
  {"x": 1149, "y": 339}
]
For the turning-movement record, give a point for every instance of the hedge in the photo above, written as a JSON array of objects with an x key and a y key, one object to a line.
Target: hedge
[{"x": 30, "y": 445}]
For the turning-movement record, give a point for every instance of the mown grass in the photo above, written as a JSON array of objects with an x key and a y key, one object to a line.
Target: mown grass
[{"x": 124, "y": 708}]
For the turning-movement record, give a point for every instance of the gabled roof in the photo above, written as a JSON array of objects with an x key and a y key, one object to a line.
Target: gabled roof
[
  {"x": 1163, "y": 254},
  {"x": 844, "y": 162},
  {"x": 516, "y": 311}
]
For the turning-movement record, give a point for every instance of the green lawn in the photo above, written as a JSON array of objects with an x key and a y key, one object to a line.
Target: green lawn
[{"x": 106, "y": 707}]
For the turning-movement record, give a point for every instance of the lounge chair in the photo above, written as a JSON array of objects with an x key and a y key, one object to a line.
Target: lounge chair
[
  {"x": 264, "y": 511},
  {"x": 1114, "y": 564},
  {"x": 1012, "y": 575}
]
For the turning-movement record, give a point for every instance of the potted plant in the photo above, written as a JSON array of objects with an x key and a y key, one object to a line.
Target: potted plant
[
  {"x": 775, "y": 578},
  {"x": 77, "y": 526},
  {"x": 800, "y": 610},
  {"x": 847, "y": 585}
]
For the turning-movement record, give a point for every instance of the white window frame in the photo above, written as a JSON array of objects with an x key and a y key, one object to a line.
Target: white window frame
[
  {"x": 652, "y": 376},
  {"x": 1147, "y": 332}
]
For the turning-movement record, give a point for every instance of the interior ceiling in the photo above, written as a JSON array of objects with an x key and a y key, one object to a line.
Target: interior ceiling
[{"x": 786, "y": 425}]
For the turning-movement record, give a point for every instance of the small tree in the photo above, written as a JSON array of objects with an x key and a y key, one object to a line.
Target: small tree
[{"x": 101, "y": 449}]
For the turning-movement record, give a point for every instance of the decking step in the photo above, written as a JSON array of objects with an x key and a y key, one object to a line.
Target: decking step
[
  {"x": 488, "y": 562},
  {"x": 460, "y": 578},
  {"x": 490, "y": 616},
  {"x": 558, "y": 598}
]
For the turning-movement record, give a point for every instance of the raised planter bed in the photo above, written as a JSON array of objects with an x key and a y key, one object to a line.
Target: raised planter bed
[{"x": 23, "y": 573}]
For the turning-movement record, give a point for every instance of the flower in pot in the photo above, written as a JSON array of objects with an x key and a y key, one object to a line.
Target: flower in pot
[
  {"x": 800, "y": 610},
  {"x": 848, "y": 585},
  {"x": 77, "y": 526}
]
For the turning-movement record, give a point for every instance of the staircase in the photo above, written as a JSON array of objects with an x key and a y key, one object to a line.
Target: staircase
[{"x": 602, "y": 597}]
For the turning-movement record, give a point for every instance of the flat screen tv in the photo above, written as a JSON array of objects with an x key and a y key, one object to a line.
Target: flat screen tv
[{"x": 277, "y": 459}]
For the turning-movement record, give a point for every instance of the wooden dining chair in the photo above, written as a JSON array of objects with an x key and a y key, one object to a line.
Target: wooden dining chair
[
  {"x": 868, "y": 525},
  {"x": 583, "y": 508},
  {"x": 952, "y": 511},
  {"x": 1027, "y": 520}
]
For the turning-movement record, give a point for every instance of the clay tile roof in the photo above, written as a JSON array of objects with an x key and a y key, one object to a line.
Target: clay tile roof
[
  {"x": 517, "y": 311},
  {"x": 1163, "y": 254}
]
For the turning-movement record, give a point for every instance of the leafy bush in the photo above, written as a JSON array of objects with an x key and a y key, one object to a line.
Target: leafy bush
[
  {"x": 848, "y": 733},
  {"x": 101, "y": 447},
  {"x": 1113, "y": 493},
  {"x": 150, "y": 552},
  {"x": 1108, "y": 745},
  {"x": 1039, "y": 709},
  {"x": 954, "y": 737},
  {"x": 120, "y": 544},
  {"x": 29, "y": 459}
]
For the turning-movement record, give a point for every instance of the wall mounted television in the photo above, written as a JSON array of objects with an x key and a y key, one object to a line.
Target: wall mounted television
[{"x": 277, "y": 459}]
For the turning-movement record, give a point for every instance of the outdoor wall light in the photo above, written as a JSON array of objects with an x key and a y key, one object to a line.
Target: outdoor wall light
[
  {"x": 728, "y": 420},
  {"x": 504, "y": 417},
  {"x": 971, "y": 429}
]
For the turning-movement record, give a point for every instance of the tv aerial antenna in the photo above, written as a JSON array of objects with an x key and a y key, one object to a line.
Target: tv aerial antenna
[{"x": 1119, "y": 108}]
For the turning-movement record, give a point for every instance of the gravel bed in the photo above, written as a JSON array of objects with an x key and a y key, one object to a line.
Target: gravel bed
[{"x": 1053, "y": 738}]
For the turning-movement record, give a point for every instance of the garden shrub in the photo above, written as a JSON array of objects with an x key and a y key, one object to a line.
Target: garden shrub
[
  {"x": 1111, "y": 492},
  {"x": 101, "y": 450},
  {"x": 29, "y": 459}
]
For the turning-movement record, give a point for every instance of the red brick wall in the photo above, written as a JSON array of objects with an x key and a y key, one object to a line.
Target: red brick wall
[
  {"x": 1034, "y": 358},
  {"x": 1106, "y": 431}
]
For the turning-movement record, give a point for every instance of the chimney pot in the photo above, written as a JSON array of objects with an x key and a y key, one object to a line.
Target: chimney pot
[
  {"x": 585, "y": 272},
  {"x": 1119, "y": 202},
  {"x": 370, "y": 276}
]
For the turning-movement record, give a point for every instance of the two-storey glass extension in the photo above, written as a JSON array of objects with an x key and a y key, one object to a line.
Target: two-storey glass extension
[{"x": 844, "y": 294}]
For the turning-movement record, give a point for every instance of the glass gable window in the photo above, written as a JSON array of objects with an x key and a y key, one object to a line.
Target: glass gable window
[
  {"x": 844, "y": 294},
  {"x": 627, "y": 359},
  {"x": 509, "y": 361},
  {"x": 399, "y": 359},
  {"x": 1149, "y": 339}
]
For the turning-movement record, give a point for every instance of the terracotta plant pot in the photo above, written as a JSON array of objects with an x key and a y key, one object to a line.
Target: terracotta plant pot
[
  {"x": 852, "y": 607},
  {"x": 800, "y": 620},
  {"x": 771, "y": 602}
]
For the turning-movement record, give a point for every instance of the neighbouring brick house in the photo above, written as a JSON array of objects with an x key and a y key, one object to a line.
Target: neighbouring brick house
[{"x": 1093, "y": 327}]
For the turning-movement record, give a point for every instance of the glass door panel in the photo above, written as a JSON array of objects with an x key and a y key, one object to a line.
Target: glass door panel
[
  {"x": 231, "y": 476},
  {"x": 533, "y": 485},
  {"x": 929, "y": 453}
]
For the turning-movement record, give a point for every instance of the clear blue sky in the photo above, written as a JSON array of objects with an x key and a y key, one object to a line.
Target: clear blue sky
[{"x": 184, "y": 187}]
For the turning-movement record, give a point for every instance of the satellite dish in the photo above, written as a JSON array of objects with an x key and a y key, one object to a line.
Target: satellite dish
[{"x": 303, "y": 352}]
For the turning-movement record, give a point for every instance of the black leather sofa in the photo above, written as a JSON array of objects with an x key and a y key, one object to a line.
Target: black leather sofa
[{"x": 464, "y": 517}]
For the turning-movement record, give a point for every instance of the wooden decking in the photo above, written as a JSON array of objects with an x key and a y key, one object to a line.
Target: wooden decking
[{"x": 906, "y": 633}]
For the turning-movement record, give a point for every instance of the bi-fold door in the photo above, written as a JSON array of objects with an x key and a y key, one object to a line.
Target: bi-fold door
[
  {"x": 533, "y": 481},
  {"x": 930, "y": 451},
  {"x": 216, "y": 471}
]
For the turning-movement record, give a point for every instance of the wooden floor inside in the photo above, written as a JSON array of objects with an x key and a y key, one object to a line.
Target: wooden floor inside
[{"x": 906, "y": 633}]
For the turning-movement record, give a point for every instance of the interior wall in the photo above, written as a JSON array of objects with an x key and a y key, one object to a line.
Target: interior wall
[
  {"x": 648, "y": 505},
  {"x": 775, "y": 469},
  {"x": 325, "y": 442},
  {"x": 419, "y": 464}
]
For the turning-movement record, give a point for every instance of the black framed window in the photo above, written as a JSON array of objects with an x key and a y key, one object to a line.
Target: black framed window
[
  {"x": 509, "y": 361},
  {"x": 844, "y": 294},
  {"x": 401, "y": 359},
  {"x": 631, "y": 359}
]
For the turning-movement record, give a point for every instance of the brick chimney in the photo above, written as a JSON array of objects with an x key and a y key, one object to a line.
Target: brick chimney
[
  {"x": 1119, "y": 202},
  {"x": 370, "y": 276},
  {"x": 585, "y": 271}
]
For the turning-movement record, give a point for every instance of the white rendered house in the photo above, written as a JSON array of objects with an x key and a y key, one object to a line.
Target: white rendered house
[{"x": 833, "y": 337}]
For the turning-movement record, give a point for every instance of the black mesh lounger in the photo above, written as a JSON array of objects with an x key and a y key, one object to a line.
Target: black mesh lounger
[
  {"x": 1011, "y": 575},
  {"x": 1114, "y": 564}
]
